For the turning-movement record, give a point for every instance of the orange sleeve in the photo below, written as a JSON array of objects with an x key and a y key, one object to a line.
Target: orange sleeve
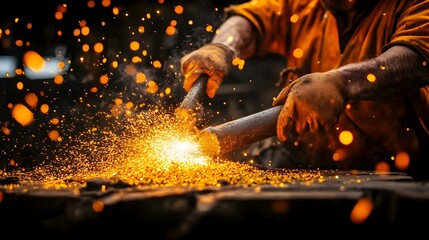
[
  {"x": 266, "y": 16},
  {"x": 413, "y": 31},
  {"x": 413, "y": 28}
]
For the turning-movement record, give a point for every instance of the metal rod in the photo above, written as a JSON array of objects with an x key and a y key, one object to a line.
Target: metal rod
[
  {"x": 192, "y": 100},
  {"x": 246, "y": 130}
]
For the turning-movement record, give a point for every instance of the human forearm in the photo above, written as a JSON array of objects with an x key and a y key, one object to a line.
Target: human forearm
[
  {"x": 394, "y": 73},
  {"x": 239, "y": 35}
]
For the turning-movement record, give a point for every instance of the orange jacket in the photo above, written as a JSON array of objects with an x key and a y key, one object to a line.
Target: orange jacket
[{"x": 307, "y": 35}]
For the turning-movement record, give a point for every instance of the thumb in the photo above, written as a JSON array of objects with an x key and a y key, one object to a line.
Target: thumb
[
  {"x": 281, "y": 97},
  {"x": 213, "y": 84}
]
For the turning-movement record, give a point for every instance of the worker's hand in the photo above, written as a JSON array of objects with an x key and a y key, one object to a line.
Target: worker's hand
[
  {"x": 312, "y": 103},
  {"x": 213, "y": 59}
]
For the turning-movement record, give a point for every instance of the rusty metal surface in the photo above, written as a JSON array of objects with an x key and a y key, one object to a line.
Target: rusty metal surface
[{"x": 196, "y": 212}]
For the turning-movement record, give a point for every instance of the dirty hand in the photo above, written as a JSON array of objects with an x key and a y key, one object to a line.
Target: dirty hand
[
  {"x": 311, "y": 103},
  {"x": 213, "y": 59}
]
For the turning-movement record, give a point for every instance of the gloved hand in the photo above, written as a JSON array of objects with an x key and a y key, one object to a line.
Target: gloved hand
[
  {"x": 311, "y": 103},
  {"x": 213, "y": 59}
]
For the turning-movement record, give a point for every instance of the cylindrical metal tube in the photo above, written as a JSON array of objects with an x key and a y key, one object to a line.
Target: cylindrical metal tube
[
  {"x": 246, "y": 130},
  {"x": 192, "y": 100}
]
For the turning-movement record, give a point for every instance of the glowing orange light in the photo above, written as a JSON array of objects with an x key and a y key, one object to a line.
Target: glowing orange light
[
  {"x": 44, "y": 108},
  {"x": 298, "y": 53},
  {"x": 34, "y": 61},
  {"x": 178, "y": 9},
  {"x": 58, "y": 15},
  {"x": 98, "y": 47},
  {"x": 19, "y": 85},
  {"x": 85, "y": 47},
  {"x": 62, "y": 8},
  {"x": 85, "y": 31},
  {"x": 19, "y": 43},
  {"x": 31, "y": 99},
  {"x": 134, "y": 45},
  {"x": 90, "y": 4},
  {"x": 136, "y": 59},
  {"x": 348, "y": 106},
  {"x": 209, "y": 28},
  {"x": 54, "y": 121},
  {"x": 294, "y": 18},
  {"x": 5, "y": 130},
  {"x": 170, "y": 30},
  {"x": 54, "y": 135},
  {"x": 152, "y": 87},
  {"x": 157, "y": 64},
  {"x": 361, "y": 211},
  {"x": 115, "y": 11},
  {"x": 241, "y": 64},
  {"x": 382, "y": 167},
  {"x": 167, "y": 91},
  {"x": 104, "y": 79},
  {"x": 82, "y": 23},
  {"x": 61, "y": 65},
  {"x": 371, "y": 77},
  {"x": 339, "y": 155},
  {"x": 58, "y": 79},
  {"x": 76, "y": 32},
  {"x": 140, "y": 77},
  {"x": 19, "y": 71},
  {"x": 235, "y": 61},
  {"x": 402, "y": 161},
  {"x": 22, "y": 114},
  {"x": 29, "y": 26},
  {"x": 141, "y": 29},
  {"x": 346, "y": 137},
  {"x": 129, "y": 105},
  {"x": 105, "y": 3},
  {"x": 98, "y": 206},
  {"x": 115, "y": 64},
  {"x": 118, "y": 101}
]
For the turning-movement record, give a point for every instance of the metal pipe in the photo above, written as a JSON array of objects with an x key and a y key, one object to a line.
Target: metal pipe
[
  {"x": 191, "y": 108},
  {"x": 192, "y": 100},
  {"x": 246, "y": 130}
]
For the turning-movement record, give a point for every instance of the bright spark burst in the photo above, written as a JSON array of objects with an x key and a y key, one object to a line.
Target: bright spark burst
[
  {"x": 153, "y": 149},
  {"x": 184, "y": 152}
]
